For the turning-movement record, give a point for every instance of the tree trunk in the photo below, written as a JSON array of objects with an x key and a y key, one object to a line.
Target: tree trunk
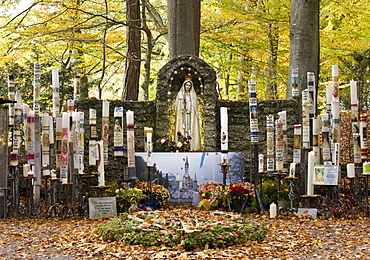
[
  {"x": 149, "y": 49},
  {"x": 304, "y": 42},
  {"x": 184, "y": 27},
  {"x": 133, "y": 53}
]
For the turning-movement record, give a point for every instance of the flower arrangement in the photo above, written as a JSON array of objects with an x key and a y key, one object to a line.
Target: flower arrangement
[
  {"x": 240, "y": 190},
  {"x": 214, "y": 194},
  {"x": 182, "y": 145},
  {"x": 154, "y": 191}
]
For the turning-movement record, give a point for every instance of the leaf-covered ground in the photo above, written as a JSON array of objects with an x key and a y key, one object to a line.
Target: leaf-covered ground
[{"x": 288, "y": 237}]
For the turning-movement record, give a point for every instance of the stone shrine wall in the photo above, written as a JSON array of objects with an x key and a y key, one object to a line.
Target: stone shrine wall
[{"x": 145, "y": 116}]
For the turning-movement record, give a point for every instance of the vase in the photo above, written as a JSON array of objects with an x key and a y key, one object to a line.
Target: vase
[
  {"x": 238, "y": 205},
  {"x": 153, "y": 204}
]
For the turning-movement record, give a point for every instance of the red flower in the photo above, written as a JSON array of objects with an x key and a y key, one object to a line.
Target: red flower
[
  {"x": 184, "y": 138},
  {"x": 178, "y": 133},
  {"x": 189, "y": 137},
  {"x": 166, "y": 135},
  {"x": 166, "y": 142}
]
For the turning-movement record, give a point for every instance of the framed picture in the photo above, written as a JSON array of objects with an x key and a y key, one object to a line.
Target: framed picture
[
  {"x": 182, "y": 173},
  {"x": 325, "y": 175}
]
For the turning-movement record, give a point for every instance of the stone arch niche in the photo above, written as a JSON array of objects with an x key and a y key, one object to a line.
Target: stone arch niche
[{"x": 170, "y": 79}]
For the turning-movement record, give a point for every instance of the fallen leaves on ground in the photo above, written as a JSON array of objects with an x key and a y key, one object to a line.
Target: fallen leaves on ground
[{"x": 288, "y": 237}]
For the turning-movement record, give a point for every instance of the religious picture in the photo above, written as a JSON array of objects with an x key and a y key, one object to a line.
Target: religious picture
[
  {"x": 223, "y": 138},
  {"x": 93, "y": 131},
  {"x": 64, "y": 149},
  {"x": 105, "y": 134},
  {"x": 253, "y": 112},
  {"x": 45, "y": 140},
  {"x": 117, "y": 125},
  {"x": 297, "y": 141},
  {"x": 319, "y": 175}
]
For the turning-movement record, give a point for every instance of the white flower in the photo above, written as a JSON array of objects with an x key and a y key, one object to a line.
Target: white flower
[
  {"x": 163, "y": 140},
  {"x": 179, "y": 144}
]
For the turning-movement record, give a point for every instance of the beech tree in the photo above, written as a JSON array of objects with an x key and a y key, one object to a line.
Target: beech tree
[
  {"x": 304, "y": 41},
  {"x": 184, "y": 27}
]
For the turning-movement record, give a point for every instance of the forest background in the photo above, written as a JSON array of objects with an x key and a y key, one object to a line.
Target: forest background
[{"x": 239, "y": 39}]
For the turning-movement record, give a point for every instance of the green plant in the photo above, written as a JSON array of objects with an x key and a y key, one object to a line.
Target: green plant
[
  {"x": 189, "y": 228},
  {"x": 270, "y": 192},
  {"x": 125, "y": 197}
]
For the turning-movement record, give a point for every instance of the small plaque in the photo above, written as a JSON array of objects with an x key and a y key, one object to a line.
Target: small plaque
[
  {"x": 326, "y": 175},
  {"x": 307, "y": 212},
  {"x": 101, "y": 207}
]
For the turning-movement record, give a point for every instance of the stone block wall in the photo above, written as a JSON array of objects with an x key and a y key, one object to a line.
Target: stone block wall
[{"x": 145, "y": 115}]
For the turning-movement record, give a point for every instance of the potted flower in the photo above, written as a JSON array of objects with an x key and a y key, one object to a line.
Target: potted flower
[
  {"x": 213, "y": 195},
  {"x": 239, "y": 192}
]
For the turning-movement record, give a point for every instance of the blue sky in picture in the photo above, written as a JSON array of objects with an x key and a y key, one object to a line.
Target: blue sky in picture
[{"x": 204, "y": 165}]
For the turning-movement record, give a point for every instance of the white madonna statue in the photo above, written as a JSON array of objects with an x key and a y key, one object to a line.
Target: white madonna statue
[{"x": 187, "y": 114}]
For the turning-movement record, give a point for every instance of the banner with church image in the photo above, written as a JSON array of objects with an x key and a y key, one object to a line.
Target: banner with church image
[{"x": 182, "y": 173}]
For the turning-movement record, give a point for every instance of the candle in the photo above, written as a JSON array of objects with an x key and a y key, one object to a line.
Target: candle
[
  {"x": 311, "y": 93},
  {"x": 17, "y": 124},
  {"x": 329, "y": 98},
  {"x": 149, "y": 145},
  {"x": 366, "y": 168},
  {"x": 273, "y": 210},
  {"x": 130, "y": 139},
  {"x": 279, "y": 145},
  {"x": 253, "y": 116},
  {"x": 51, "y": 133},
  {"x": 315, "y": 138},
  {"x": 292, "y": 170},
  {"x": 64, "y": 150},
  {"x": 56, "y": 99},
  {"x": 26, "y": 169},
  {"x": 77, "y": 87},
  {"x": 305, "y": 119},
  {"x": 310, "y": 187},
  {"x": 105, "y": 129},
  {"x": 58, "y": 139},
  {"x": 224, "y": 134},
  {"x": 36, "y": 89},
  {"x": 282, "y": 116},
  {"x": 101, "y": 178},
  {"x": 295, "y": 87},
  {"x": 11, "y": 96},
  {"x": 93, "y": 136},
  {"x": 335, "y": 122},
  {"x": 31, "y": 137},
  {"x": 336, "y": 155},
  {"x": 45, "y": 149},
  {"x": 326, "y": 155},
  {"x": 335, "y": 83},
  {"x": 81, "y": 125},
  {"x": 118, "y": 132},
  {"x": 76, "y": 140},
  {"x": 350, "y": 170},
  {"x": 297, "y": 143},
  {"x": 270, "y": 146},
  {"x": 363, "y": 136}
]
